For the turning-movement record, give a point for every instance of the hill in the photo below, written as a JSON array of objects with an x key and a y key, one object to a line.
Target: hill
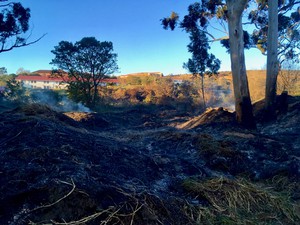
[{"x": 146, "y": 165}]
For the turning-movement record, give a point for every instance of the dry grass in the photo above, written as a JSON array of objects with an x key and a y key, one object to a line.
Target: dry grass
[
  {"x": 239, "y": 201},
  {"x": 211, "y": 115},
  {"x": 257, "y": 82},
  {"x": 35, "y": 109},
  {"x": 208, "y": 146}
]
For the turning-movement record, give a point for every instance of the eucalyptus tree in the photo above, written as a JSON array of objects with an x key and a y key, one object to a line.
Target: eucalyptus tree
[
  {"x": 272, "y": 59},
  {"x": 277, "y": 35},
  {"x": 229, "y": 11},
  {"x": 87, "y": 63}
]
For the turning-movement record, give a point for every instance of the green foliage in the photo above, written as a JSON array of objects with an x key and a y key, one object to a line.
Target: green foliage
[
  {"x": 15, "y": 91},
  {"x": 195, "y": 23},
  {"x": 202, "y": 11},
  {"x": 5, "y": 78},
  {"x": 3, "y": 71},
  {"x": 247, "y": 42},
  {"x": 201, "y": 62},
  {"x": 14, "y": 20},
  {"x": 87, "y": 62},
  {"x": 288, "y": 29},
  {"x": 171, "y": 21}
]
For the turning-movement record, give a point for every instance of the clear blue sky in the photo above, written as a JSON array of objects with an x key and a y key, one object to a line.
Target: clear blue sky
[{"x": 133, "y": 26}]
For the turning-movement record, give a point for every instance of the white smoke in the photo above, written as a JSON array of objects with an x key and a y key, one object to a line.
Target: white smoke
[
  {"x": 66, "y": 105},
  {"x": 57, "y": 102},
  {"x": 221, "y": 98}
]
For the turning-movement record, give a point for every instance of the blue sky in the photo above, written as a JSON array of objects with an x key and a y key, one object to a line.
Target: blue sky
[{"x": 133, "y": 26}]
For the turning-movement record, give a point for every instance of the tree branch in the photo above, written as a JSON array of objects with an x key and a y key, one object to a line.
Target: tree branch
[
  {"x": 288, "y": 6},
  {"x": 16, "y": 45}
]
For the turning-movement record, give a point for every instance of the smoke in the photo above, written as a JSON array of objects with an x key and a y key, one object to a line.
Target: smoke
[
  {"x": 56, "y": 101},
  {"x": 67, "y": 105},
  {"x": 221, "y": 97}
]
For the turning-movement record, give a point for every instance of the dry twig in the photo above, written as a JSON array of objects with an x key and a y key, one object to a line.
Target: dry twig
[{"x": 59, "y": 200}]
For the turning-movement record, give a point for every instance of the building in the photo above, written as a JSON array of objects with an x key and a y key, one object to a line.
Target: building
[
  {"x": 41, "y": 82},
  {"x": 43, "y": 79}
]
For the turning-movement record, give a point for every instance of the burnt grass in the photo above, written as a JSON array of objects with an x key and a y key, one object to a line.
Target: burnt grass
[{"x": 147, "y": 166}]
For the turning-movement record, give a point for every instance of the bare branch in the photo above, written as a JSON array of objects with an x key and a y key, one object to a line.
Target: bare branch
[
  {"x": 287, "y": 7},
  {"x": 59, "y": 200},
  {"x": 5, "y": 5},
  {"x": 16, "y": 45}
]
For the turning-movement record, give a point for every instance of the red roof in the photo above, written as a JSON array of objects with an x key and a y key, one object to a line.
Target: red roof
[
  {"x": 38, "y": 78},
  {"x": 55, "y": 79}
]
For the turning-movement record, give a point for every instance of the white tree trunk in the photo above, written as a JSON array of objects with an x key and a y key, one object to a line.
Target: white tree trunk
[
  {"x": 272, "y": 59},
  {"x": 243, "y": 106}
]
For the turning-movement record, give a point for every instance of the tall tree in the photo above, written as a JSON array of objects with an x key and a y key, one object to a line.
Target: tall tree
[
  {"x": 14, "y": 23},
  {"x": 87, "y": 62},
  {"x": 231, "y": 12},
  {"x": 202, "y": 62},
  {"x": 277, "y": 36},
  {"x": 288, "y": 28},
  {"x": 243, "y": 106},
  {"x": 272, "y": 59}
]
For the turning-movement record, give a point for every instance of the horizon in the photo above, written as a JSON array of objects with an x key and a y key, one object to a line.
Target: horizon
[
  {"x": 142, "y": 72},
  {"x": 134, "y": 28}
]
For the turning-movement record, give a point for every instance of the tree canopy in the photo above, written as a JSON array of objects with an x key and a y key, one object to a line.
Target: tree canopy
[
  {"x": 201, "y": 62},
  {"x": 87, "y": 62},
  {"x": 288, "y": 29},
  {"x": 14, "y": 24},
  {"x": 229, "y": 11},
  {"x": 201, "y": 13}
]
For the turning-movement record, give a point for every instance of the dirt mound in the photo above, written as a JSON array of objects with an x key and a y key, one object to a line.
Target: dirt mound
[
  {"x": 60, "y": 168},
  {"x": 212, "y": 115},
  {"x": 284, "y": 103},
  {"x": 36, "y": 109},
  {"x": 91, "y": 120}
]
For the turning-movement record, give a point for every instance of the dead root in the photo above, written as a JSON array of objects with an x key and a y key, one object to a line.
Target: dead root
[{"x": 136, "y": 207}]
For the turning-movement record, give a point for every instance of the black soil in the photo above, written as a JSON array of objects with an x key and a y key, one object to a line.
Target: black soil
[{"x": 128, "y": 166}]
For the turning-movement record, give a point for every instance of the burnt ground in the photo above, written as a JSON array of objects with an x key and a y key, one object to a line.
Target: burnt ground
[{"x": 142, "y": 166}]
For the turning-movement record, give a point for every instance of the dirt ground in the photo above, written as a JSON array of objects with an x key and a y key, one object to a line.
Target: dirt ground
[{"x": 148, "y": 166}]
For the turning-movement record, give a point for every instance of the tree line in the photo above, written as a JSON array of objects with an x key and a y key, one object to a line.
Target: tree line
[
  {"x": 88, "y": 60},
  {"x": 275, "y": 34}
]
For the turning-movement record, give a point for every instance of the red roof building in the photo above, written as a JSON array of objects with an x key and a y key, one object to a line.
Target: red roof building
[{"x": 43, "y": 79}]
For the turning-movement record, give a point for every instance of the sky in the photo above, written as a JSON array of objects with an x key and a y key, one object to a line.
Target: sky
[{"x": 133, "y": 26}]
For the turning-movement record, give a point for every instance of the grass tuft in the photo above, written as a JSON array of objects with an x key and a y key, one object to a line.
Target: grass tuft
[{"x": 238, "y": 201}]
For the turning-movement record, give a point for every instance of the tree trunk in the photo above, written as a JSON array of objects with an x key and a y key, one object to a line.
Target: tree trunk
[
  {"x": 202, "y": 90},
  {"x": 243, "y": 106},
  {"x": 272, "y": 60},
  {"x": 95, "y": 96}
]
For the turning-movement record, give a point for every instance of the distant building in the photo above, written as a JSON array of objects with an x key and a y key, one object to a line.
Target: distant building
[{"x": 42, "y": 79}]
